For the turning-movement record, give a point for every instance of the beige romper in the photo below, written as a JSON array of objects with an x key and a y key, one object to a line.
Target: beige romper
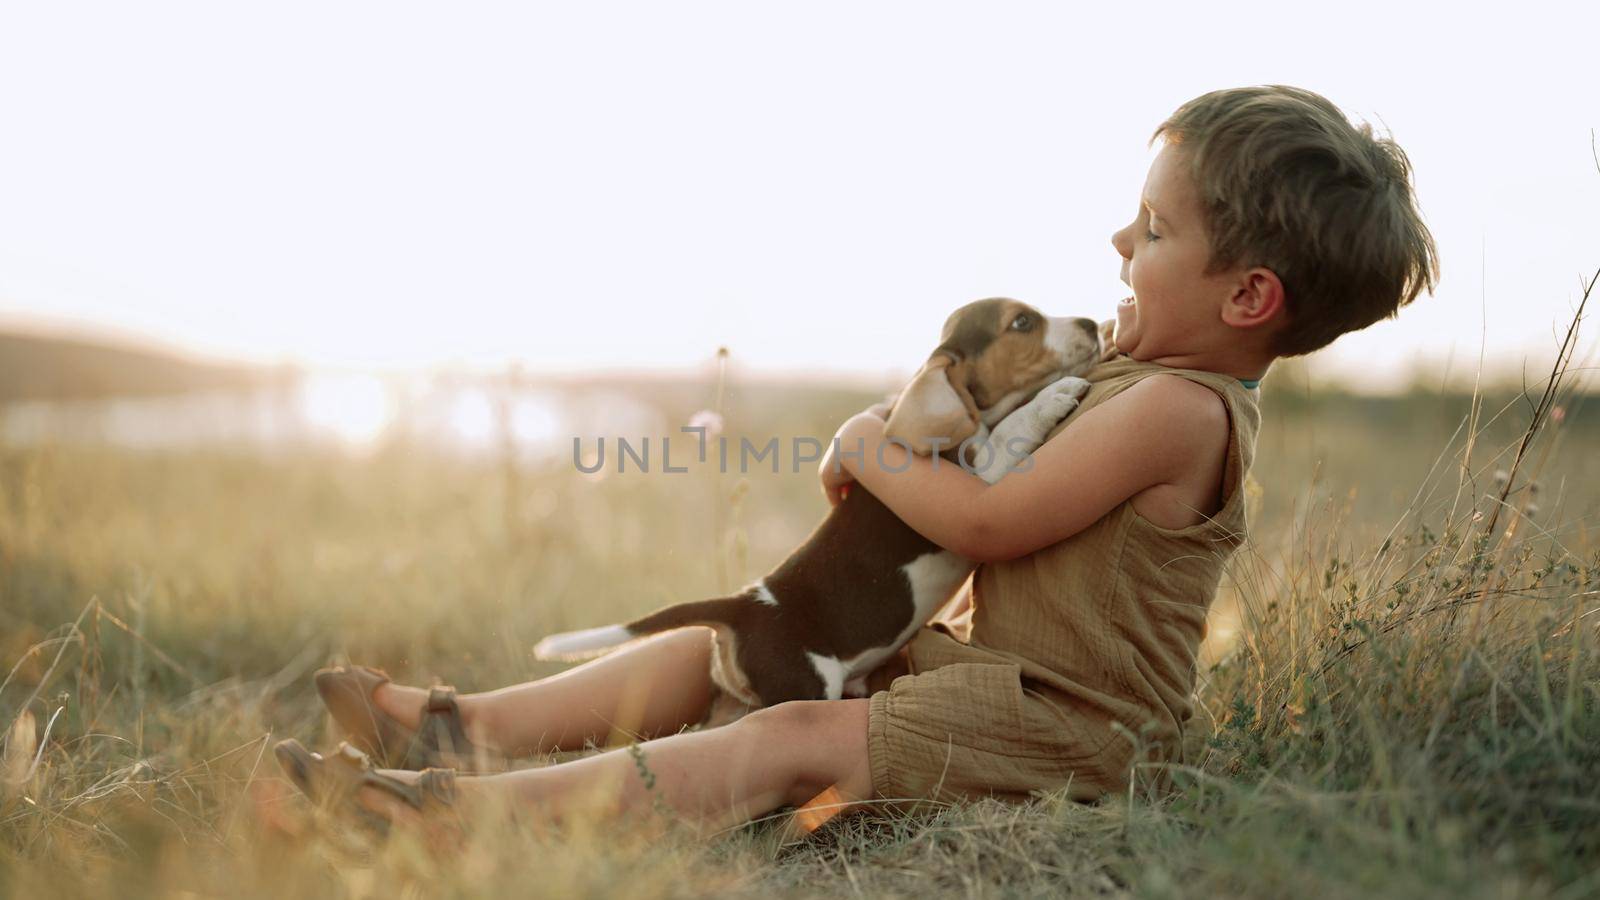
[{"x": 1099, "y": 628}]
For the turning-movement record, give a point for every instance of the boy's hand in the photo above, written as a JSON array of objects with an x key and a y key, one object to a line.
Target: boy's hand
[
  {"x": 836, "y": 479},
  {"x": 835, "y": 484}
]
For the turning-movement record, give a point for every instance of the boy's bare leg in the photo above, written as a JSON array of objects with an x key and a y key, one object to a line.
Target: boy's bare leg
[
  {"x": 788, "y": 753},
  {"x": 655, "y": 687}
]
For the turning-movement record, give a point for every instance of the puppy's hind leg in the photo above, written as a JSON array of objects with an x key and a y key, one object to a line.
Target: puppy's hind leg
[{"x": 779, "y": 669}]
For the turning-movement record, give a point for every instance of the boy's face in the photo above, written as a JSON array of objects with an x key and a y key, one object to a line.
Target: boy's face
[{"x": 1175, "y": 308}]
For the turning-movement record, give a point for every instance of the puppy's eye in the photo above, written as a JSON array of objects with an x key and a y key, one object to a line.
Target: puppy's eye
[{"x": 1023, "y": 322}]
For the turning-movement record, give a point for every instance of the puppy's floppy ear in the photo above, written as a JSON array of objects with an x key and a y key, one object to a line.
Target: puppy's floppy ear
[{"x": 936, "y": 404}]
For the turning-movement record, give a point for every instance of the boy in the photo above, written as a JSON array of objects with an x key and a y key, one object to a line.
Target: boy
[{"x": 1268, "y": 226}]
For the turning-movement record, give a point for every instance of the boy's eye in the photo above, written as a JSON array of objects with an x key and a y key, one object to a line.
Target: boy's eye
[{"x": 1151, "y": 235}]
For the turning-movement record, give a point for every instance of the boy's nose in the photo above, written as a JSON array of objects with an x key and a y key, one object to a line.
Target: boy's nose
[{"x": 1119, "y": 241}]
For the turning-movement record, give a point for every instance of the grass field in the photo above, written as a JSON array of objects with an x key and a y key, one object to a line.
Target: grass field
[{"x": 1400, "y": 695}]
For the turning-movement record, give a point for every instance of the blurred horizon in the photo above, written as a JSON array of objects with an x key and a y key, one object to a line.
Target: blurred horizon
[
  {"x": 1451, "y": 375},
  {"x": 57, "y": 391}
]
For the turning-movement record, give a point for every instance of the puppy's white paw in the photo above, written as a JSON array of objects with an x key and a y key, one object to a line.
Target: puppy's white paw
[
  {"x": 1069, "y": 384},
  {"x": 1060, "y": 398}
]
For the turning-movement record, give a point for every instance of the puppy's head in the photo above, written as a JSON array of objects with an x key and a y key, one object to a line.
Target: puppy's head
[{"x": 992, "y": 356}]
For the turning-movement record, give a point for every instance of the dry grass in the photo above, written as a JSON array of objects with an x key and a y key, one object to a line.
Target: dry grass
[{"x": 1401, "y": 696}]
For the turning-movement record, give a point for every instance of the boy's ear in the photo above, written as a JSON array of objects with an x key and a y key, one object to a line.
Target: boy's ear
[
  {"x": 936, "y": 404},
  {"x": 1257, "y": 300}
]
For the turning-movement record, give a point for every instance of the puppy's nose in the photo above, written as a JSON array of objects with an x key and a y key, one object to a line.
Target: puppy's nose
[{"x": 1090, "y": 326}]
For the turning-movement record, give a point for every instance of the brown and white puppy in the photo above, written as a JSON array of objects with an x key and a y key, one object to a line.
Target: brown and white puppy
[{"x": 863, "y": 582}]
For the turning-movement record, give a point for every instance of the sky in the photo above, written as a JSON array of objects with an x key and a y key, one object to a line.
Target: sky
[{"x": 587, "y": 186}]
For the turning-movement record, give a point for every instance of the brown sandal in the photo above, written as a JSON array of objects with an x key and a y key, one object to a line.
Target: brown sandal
[
  {"x": 333, "y": 781},
  {"x": 441, "y": 742}
]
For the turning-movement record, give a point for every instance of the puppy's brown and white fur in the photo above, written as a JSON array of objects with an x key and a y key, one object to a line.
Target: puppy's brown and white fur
[{"x": 863, "y": 582}]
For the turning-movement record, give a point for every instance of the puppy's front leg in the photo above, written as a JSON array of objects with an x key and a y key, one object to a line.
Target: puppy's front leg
[{"x": 1021, "y": 432}]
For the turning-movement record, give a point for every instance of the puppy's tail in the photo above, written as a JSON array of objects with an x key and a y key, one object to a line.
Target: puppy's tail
[{"x": 590, "y": 642}]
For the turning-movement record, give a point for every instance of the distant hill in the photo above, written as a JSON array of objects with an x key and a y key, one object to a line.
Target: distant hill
[{"x": 37, "y": 367}]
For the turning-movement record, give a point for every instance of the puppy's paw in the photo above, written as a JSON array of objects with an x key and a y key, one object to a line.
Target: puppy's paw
[
  {"x": 1060, "y": 398},
  {"x": 1069, "y": 384}
]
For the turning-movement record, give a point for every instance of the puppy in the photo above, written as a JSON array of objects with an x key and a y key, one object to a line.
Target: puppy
[{"x": 863, "y": 582}]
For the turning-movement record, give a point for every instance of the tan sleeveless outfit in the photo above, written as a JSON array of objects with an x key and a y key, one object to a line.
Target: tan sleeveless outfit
[{"x": 1066, "y": 644}]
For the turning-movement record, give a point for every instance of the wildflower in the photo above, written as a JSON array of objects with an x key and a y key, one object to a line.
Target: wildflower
[{"x": 708, "y": 419}]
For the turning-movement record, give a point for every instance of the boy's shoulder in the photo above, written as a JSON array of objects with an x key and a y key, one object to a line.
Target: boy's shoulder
[
  {"x": 1176, "y": 395},
  {"x": 1193, "y": 416},
  {"x": 1165, "y": 389},
  {"x": 1185, "y": 426},
  {"x": 1196, "y": 428}
]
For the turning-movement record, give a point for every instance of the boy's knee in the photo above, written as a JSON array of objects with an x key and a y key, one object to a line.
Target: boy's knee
[
  {"x": 803, "y": 719},
  {"x": 825, "y": 742}
]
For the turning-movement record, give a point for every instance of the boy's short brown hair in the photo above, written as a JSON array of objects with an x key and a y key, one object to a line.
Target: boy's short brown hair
[{"x": 1287, "y": 182}]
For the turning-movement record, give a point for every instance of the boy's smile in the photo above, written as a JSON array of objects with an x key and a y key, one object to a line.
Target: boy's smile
[{"x": 1175, "y": 308}]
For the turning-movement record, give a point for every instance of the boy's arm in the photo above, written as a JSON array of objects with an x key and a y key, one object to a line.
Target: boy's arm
[{"x": 1158, "y": 431}]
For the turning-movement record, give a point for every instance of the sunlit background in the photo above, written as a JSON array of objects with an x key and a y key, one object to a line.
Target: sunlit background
[
  {"x": 357, "y": 188},
  {"x": 303, "y": 304}
]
